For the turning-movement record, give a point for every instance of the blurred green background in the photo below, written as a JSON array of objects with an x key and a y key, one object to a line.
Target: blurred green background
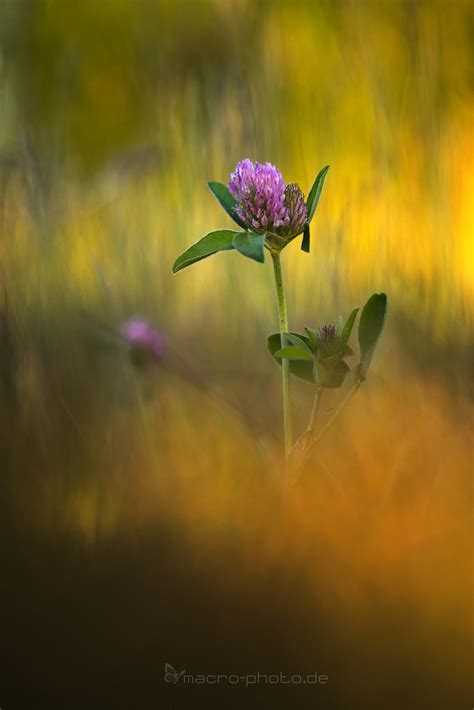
[{"x": 113, "y": 114}]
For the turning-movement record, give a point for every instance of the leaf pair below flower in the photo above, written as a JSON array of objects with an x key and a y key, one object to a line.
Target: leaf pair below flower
[
  {"x": 330, "y": 372},
  {"x": 246, "y": 243}
]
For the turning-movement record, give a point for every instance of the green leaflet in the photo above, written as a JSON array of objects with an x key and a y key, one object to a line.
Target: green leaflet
[
  {"x": 210, "y": 244},
  {"x": 250, "y": 245},
  {"x": 315, "y": 193},
  {"x": 225, "y": 199}
]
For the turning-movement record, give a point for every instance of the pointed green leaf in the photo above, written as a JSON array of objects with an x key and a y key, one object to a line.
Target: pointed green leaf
[
  {"x": 250, "y": 245},
  {"x": 221, "y": 192},
  {"x": 371, "y": 325},
  {"x": 315, "y": 193},
  {"x": 291, "y": 352},
  {"x": 348, "y": 325},
  {"x": 306, "y": 243},
  {"x": 329, "y": 374},
  {"x": 208, "y": 245}
]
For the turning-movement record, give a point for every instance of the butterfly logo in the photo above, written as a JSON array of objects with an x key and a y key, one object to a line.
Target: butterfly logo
[{"x": 172, "y": 676}]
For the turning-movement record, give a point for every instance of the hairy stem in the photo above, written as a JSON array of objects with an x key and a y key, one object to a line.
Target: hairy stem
[
  {"x": 307, "y": 441},
  {"x": 336, "y": 414},
  {"x": 285, "y": 365},
  {"x": 314, "y": 412}
]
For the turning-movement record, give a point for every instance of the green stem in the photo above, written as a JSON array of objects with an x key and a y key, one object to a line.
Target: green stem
[
  {"x": 309, "y": 439},
  {"x": 314, "y": 412},
  {"x": 336, "y": 414},
  {"x": 285, "y": 364}
]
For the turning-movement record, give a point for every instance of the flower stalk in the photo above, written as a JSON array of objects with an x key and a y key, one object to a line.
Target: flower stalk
[
  {"x": 285, "y": 365},
  {"x": 336, "y": 414},
  {"x": 315, "y": 410}
]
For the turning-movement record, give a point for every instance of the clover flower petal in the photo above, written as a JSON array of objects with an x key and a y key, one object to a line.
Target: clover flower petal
[{"x": 264, "y": 202}]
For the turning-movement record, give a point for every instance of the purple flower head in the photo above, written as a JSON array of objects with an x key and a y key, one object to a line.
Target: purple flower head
[
  {"x": 143, "y": 338},
  {"x": 296, "y": 206},
  {"x": 327, "y": 333},
  {"x": 329, "y": 341},
  {"x": 264, "y": 202}
]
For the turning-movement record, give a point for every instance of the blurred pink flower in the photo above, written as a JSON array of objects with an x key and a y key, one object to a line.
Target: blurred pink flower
[{"x": 144, "y": 338}]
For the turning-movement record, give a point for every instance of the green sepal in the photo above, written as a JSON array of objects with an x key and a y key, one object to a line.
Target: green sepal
[{"x": 312, "y": 339}]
